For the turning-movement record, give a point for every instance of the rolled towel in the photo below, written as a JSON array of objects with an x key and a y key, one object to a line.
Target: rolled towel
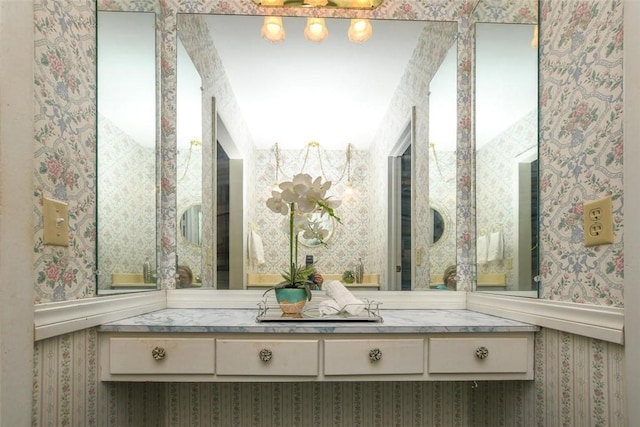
[
  {"x": 345, "y": 299},
  {"x": 328, "y": 307}
]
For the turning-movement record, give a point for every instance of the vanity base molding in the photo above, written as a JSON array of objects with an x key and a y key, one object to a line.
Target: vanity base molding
[{"x": 219, "y": 357}]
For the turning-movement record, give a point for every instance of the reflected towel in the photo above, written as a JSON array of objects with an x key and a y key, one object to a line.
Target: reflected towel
[
  {"x": 482, "y": 248},
  {"x": 328, "y": 307},
  {"x": 255, "y": 248},
  {"x": 496, "y": 247},
  {"x": 345, "y": 299}
]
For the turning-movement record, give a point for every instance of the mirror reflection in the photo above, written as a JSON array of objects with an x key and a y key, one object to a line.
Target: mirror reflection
[
  {"x": 191, "y": 225},
  {"x": 126, "y": 150},
  {"x": 224, "y": 88},
  {"x": 318, "y": 230},
  {"x": 437, "y": 225},
  {"x": 506, "y": 158},
  {"x": 334, "y": 110}
]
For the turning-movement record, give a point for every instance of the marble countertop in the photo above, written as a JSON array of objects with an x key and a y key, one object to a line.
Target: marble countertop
[{"x": 217, "y": 320}]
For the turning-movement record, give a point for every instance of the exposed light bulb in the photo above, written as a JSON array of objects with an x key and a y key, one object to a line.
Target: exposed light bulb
[
  {"x": 316, "y": 30},
  {"x": 272, "y": 29},
  {"x": 360, "y": 30}
]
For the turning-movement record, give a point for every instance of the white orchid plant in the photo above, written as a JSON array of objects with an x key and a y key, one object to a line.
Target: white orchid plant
[{"x": 296, "y": 199}]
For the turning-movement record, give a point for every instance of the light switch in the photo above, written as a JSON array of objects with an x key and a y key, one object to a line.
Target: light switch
[{"x": 56, "y": 222}]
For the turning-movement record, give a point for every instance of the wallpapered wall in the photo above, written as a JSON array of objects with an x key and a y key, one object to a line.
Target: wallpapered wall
[
  {"x": 127, "y": 203},
  {"x": 578, "y": 380}
]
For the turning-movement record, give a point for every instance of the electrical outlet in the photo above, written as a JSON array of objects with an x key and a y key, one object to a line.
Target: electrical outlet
[
  {"x": 598, "y": 222},
  {"x": 56, "y": 222}
]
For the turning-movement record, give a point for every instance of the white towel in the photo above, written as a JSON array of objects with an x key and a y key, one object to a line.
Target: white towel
[
  {"x": 345, "y": 299},
  {"x": 328, "y": 307},
  {"x": 482, "y": 248},
  {"x": 255, "y": 248},
  {"x": 496, "y": 247}
]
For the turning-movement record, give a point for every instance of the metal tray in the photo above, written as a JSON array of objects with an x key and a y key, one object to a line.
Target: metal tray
[{"x": 269, "y": 311}]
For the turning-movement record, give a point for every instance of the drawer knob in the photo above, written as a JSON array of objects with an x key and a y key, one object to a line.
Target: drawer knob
[
  {"x": 482, "y": 352},
  {"x": 265, "y": 354},
  {"x": 375, "y": 355},
  {"x": 158, "y": 353}
]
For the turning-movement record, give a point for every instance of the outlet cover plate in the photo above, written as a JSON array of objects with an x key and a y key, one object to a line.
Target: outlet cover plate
[
  {"x": 598, "y": 222},
  {"x": 56, "y": 222}
]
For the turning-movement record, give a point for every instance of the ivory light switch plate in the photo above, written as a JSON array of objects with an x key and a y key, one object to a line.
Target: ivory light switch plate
[
  {"x": 598, "y": 222},
  {"x": 56, "y": 222}
]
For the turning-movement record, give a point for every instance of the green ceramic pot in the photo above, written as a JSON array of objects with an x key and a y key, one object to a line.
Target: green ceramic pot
[{"x": 291, "y": 300}]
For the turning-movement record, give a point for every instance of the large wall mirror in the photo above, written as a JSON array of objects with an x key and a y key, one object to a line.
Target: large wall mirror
[
  {"x": 506, "y": 157},
  {"x": 126, "y": 151},
  {"x": 345, "y": 113},
  {"x": 333, "y": 109}
]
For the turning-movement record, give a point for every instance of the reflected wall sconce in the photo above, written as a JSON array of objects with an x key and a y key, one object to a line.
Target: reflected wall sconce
[
  {"x": 192, "y": 143},
  {"x": 313, "y": 147}
]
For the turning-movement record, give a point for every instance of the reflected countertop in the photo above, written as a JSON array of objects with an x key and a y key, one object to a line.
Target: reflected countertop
[{"x": 218, "y": 320}]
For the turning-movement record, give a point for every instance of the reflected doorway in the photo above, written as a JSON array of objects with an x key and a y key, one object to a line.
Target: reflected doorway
[
  {"x": 400, "y": 203},
  {"x": 222, "y": 218},
  {"x": 405, "y": 219}
]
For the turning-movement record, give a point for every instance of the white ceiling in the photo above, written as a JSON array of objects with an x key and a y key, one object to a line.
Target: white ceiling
[{"x": 297, "y": 91}]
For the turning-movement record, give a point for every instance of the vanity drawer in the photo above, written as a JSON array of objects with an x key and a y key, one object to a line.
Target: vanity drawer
[
  {"x": 267, "y": 357},
  {"x": 459, "y": 355},
  {"x": 181, "y": 355},
  {"x": 365, "y": 357}
]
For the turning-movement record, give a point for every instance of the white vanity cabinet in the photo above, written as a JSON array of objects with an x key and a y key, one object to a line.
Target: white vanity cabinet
[{"x": 256, "y": 357}]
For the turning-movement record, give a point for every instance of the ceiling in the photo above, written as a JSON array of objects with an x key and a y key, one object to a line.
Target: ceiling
[{"x": 296, "y": 91}]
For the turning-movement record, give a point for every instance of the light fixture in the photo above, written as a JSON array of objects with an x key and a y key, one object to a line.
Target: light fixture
[
  {"x": 316, "y": 30},
  {"x": 272, "y": 29},
  {"x": 276, "y": 155},
  {"x": 360, "y": 30},
  {"x": 348, "y": 191},
  {"x": 323, "y": 159}
]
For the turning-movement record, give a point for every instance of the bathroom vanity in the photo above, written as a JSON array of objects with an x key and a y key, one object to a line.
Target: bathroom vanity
[{"x": 223, "y": 345}]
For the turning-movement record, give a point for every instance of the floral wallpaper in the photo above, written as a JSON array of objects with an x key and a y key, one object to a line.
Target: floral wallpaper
[
  {"x": 65, "y": 140},
  {"x": 127, "y": 203},
  {"x": 581, "y": 148},
  {"x": 578, "y": 381}
]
